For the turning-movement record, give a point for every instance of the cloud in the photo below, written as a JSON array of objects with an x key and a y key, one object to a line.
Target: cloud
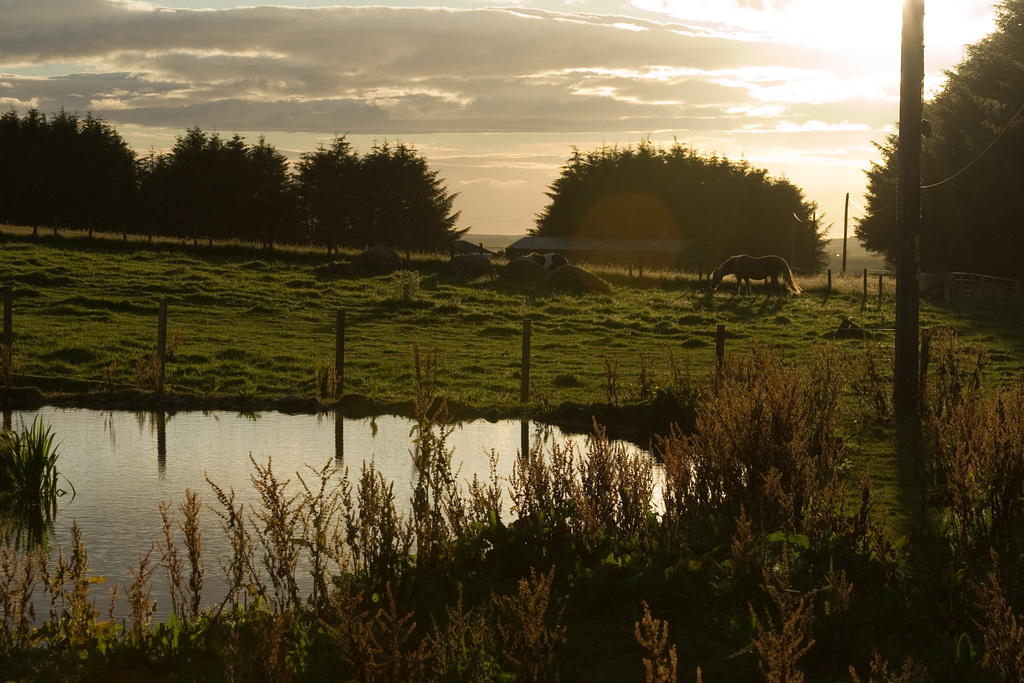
[
  {"x": 769, "y": 80},
  {"x": 394, "y": 70}
]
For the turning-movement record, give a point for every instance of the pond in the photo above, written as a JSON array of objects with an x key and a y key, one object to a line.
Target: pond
[{"x": 123, "y": 465}]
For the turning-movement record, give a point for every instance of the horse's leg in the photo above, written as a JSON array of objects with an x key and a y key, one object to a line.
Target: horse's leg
[{"x": 775, "y": 284}]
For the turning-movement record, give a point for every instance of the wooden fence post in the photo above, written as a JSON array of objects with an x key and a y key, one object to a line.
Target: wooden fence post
[
  {"x": 865, "y": 301},
  {"x": 339, "y": 355},
  {"x": 161, "y": 344},
  {"x": 828, "y": 290},
  {"x": 8, "y": 316},
  {"x": 880, "y": 292},
  {"x": 524, "y": 385}
]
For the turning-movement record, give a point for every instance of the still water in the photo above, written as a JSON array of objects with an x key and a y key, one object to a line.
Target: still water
[{"x": 123, "y": 465}]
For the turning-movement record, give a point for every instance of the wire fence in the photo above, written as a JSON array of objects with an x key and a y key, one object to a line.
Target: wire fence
[{"x": 985, "y": 290}]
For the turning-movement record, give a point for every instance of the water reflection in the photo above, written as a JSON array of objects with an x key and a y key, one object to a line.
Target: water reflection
[{"x": 109, "y": 458}]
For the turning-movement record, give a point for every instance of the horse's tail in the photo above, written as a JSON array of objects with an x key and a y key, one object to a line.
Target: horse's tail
[{"x": 787, "y": 275}]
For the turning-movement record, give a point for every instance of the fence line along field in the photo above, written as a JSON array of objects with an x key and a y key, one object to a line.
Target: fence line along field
[{"x": 243, "y": 323}]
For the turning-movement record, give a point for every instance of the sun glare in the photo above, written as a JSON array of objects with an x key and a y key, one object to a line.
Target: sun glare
[{"x": 864, "y": 32}]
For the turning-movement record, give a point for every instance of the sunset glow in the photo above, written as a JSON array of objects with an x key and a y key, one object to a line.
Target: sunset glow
[{"x": 495, "y": 98}]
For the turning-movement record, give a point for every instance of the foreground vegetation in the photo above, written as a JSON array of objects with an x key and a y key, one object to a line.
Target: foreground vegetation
[
  {"x": 791, "y": 541},
  {"x": 753, "y": 564}
]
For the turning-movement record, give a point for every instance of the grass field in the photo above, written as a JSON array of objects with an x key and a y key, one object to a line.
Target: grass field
[{"x": 245, "y": 323}]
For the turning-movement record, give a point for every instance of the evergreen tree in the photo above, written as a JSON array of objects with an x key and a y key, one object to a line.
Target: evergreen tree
[
  {"x": 328, "y": 185},
  {"x": 971, "y": 168},
  {"x": 211, "y": 188},
  {"x": 270, "y": 206},
  {"x": 64, "y": 170},
  {"x": 404, "y": 203}
]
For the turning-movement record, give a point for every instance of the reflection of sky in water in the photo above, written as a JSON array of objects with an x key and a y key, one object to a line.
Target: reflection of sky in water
[{"x": 122, "y": 467}]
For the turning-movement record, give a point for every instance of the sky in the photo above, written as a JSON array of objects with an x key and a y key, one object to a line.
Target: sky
[{"x": 495, "y": 97}]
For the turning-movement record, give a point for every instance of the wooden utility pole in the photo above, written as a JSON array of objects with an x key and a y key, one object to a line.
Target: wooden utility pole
[
  {"x": 908, "y": 210},
  {"x": 846, "y": 222}
]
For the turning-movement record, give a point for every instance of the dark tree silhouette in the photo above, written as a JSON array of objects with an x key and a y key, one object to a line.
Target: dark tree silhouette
[
  {"x": 65, "y": 171},
  {"x": 208, "y": 187},
  {"x": 328, "y": 184},
  {"x": 971, "y": 164},
  {"x": 405, "y": 204},
  {"x": 79, "y": 173},
  {"x": 723, "y": 207}
]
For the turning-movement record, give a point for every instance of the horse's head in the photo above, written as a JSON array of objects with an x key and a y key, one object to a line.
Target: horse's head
[{"x": 716, "y": 278}]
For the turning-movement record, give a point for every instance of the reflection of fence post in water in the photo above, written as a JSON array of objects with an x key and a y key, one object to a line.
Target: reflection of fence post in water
[
  {"x": 161, "y": 439},
  {"x": 524, "y": 436},
  {"x": 8, "y": 419},
  {"x": 339, "y": 436}
]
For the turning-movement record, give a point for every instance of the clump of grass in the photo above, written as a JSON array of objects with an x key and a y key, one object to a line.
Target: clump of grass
[
  {"x": 10, "y": 366},
  {"x": 148, "y": 370},
  {"x": 176, "y": 341},
  {"x": 109, "y": 381},
  {"x": 326, "y": 380},
  {"x": 20, "y": 574},
  {"x": 611, "y": 380},
  {"x": 29, "y": 480},
  {"x": 872, "y": 383},
  {"x": 405, "y": 285},
  {"x": 782, "y": 640}
]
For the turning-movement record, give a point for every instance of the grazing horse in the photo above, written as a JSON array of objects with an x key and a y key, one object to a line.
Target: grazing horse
[
  {"x": 747, "y": 268},
  {"x": 548, "y": 261}
]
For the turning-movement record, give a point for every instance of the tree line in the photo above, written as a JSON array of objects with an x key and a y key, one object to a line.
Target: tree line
[
  {"x": 78, "y": 172},
  {"x": 971, "y": 164},
  {"x": 720, "y": 207}
]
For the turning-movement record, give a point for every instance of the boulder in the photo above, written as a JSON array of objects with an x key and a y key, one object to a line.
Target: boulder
[
  {"x": 576, "y": 279},
  {"x": 522, "y": 271},
  {"x": 467, "y": 267},
  {"x": 377, "y": 260}
]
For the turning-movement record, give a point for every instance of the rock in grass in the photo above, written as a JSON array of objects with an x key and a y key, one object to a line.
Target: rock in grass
[
  {"x": 466, "y": 267},
  {"x": 522, "y": 271},
  {"x": 377, "y": 260},
  {"x": 576, "y": 279}
]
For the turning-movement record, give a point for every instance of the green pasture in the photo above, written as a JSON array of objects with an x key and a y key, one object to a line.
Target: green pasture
[{"x": 242, "y": 322}]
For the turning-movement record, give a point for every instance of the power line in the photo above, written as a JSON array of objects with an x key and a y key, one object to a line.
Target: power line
[
  {"x": 955, "y": 175},
  {"x": 980, "y": 154}
]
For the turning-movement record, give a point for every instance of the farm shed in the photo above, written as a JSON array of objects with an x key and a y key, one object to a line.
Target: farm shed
[
  {"x": 468, "y": 247},
  {"x": 666, "y": 253}
]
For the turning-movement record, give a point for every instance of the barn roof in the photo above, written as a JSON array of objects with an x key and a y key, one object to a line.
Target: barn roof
[{"x": 569, "y": 244}]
